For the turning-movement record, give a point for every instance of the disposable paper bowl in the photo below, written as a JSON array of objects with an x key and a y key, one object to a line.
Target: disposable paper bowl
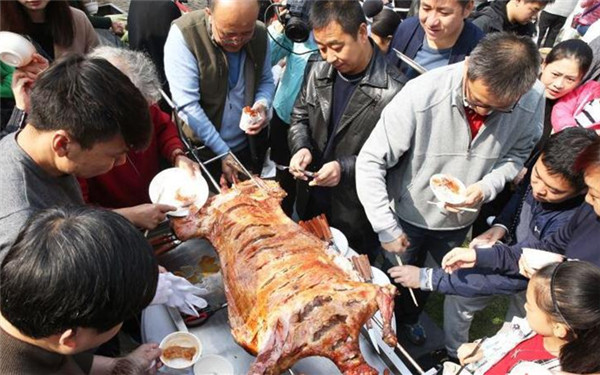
[
  {"x": 172, "y": 182},
  {"x": 181, "y": 339},
  {"x": 450, "y": 368},
  {"x": 444, "y": 193},
  {"x": 537, "y": 259},
  {"x": 213, "y": 364},
  {"x": 15, "y": 49}
]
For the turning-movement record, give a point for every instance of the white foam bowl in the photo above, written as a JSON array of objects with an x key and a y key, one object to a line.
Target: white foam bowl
[
  {"x": 537, "y": 259},
  {"x": 213, "y": 364},
  {"x": 185, "y": 339},
  {"x": 15, "y": 49},
  {"x": 444, "y": 194}
]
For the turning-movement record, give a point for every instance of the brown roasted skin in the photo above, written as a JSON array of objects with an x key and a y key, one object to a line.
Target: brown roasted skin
[{"x": 286, "y": 297}]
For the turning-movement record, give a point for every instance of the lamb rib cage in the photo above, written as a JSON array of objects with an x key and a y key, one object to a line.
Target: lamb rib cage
[{"x": 287, "y": 299}]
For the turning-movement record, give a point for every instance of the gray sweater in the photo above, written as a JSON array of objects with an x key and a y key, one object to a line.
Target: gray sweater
[
  {"x": 424, "y": 131},
  {"x": 25, "y": 188}
]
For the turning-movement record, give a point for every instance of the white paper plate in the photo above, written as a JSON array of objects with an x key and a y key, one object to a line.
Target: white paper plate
[
  {"x": 529, "y": 368},
  {"x": 213, "y": 364},
  {"x": 173, "y": 183},
  {"x": 185, "y": 339},
  {"x": 445, "y": 194},
  {"x": 340, "y": 241}
]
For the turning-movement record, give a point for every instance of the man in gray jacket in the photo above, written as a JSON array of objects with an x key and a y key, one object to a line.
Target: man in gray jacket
[{"x": 477, "y": 121}]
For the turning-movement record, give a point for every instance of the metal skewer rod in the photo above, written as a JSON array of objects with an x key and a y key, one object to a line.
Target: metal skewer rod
[
  {"x": 400, "y": 348},
  {"x": 247, "y": 172},
  {"x": 173, "y": 106}
]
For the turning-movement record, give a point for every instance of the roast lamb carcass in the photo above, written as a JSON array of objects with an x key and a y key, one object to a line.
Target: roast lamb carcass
[{"x": 288, "y": 298}]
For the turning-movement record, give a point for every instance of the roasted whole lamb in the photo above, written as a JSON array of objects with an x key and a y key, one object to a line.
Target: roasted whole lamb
[{"x": 288, "y": 298}]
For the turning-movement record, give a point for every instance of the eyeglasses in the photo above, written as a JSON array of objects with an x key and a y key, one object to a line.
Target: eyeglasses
[
  {"x": 231, "y": 38},
  {"x": 473, "y": 104}
]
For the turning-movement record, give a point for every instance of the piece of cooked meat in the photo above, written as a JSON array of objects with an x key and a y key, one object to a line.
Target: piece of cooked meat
[{"x": 176, "y": 351}]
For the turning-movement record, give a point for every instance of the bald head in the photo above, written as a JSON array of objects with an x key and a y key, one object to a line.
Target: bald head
[
  {"x": 233, "y": 22},
  {"x": 235, "y": 4}
]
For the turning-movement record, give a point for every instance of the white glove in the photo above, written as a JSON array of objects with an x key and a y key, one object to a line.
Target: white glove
[{"x": 175, "y": 291}]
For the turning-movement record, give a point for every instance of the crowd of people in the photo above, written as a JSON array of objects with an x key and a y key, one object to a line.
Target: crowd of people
[{"x": 357, "y": 118}]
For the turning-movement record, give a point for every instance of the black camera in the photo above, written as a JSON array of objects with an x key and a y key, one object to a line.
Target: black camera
[{"x": 296, "y": 24}]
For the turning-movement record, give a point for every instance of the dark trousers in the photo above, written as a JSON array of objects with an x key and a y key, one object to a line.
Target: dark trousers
[
  {"x": 422, "y": 241},
  {"x": 280, "y": 154},
  {"x": 550, "y": 25}
]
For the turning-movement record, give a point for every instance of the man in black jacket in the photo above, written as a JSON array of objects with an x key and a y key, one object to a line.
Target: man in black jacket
[
  {"x": 515, "y": 16},
  {"x": 338, "y": 106}
]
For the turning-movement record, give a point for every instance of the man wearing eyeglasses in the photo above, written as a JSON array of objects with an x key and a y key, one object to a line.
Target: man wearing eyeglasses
[
  {"x": 217, "y": 62},
  {"x": 477, "y": 121}
]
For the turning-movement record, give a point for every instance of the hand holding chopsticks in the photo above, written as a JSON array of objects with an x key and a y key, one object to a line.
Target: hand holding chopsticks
[
  {"x": 470, "y": 355},
  {"x": 412, "y": 293}
]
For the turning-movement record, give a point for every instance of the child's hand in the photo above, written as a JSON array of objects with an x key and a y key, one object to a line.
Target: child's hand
[{"x": 465, "y": 353}]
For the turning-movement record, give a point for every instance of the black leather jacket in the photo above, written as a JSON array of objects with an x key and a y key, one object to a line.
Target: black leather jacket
[{"x": 309, "y": 122}]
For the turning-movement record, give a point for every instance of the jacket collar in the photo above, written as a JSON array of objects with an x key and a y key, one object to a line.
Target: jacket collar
[{"x": 375, "y": 75}]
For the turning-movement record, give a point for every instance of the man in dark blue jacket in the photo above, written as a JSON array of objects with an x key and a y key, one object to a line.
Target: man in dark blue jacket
[
  {"x": 439, "y": 35},
  {"x": 549, "y": 195}
]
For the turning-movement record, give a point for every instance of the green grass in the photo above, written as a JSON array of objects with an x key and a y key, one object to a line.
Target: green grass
[{"x": 486, "y": 322}]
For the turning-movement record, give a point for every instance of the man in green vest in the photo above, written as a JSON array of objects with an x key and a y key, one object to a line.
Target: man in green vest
[{"x": 217, "y": 62}]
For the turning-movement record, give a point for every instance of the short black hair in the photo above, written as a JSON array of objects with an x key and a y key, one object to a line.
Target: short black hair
[
  {"x": 76, "y": 267},
  {"x": 385, "y": 23},
  {"x": 348, "y": 13},
  {"x": 93, "y": 101},
  {"x": 508, "y": 64},
  {"x": 575, "y": 49},
  {"x": 560, "y": 153}
]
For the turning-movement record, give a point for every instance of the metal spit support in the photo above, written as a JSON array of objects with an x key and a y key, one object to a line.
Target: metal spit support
[
  {"x": 187, "y": 144},
  {"x": 202, "y": 164}
]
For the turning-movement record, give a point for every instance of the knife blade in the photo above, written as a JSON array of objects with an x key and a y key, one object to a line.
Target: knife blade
[{"x": 412, "y": 63}]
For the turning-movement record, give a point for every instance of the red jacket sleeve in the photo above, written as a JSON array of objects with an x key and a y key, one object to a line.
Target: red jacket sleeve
[{"x": 166, "y": 132}]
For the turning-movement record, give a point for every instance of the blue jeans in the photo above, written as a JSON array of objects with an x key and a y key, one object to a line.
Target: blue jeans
[{"x": 422, "y": 241}]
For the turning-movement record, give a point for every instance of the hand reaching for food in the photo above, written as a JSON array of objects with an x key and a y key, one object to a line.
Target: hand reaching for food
[{"x": 459, "y": 257}]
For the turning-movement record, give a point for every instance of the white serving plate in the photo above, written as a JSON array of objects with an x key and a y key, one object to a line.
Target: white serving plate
[{"x": 340, "y": 241}]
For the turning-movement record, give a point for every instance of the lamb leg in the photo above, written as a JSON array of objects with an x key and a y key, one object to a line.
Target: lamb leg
[{"x": 385, "y": 302}]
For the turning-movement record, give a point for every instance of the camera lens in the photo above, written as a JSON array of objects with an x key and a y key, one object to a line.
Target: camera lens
[{"x": 297, "y": 30}]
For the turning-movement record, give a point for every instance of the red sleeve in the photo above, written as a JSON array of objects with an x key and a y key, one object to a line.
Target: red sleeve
[
  {"x": 166, "y": 132},
  {"x": 85, "y": 191}
]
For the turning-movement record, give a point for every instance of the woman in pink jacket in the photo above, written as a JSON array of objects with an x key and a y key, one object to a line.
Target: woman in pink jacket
[{"x": 581, "y": 107}]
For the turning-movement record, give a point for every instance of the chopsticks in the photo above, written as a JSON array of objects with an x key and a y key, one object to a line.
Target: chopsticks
[
  {"x": 412, "y": 293},
  {"x": 468, "y": 209}
]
